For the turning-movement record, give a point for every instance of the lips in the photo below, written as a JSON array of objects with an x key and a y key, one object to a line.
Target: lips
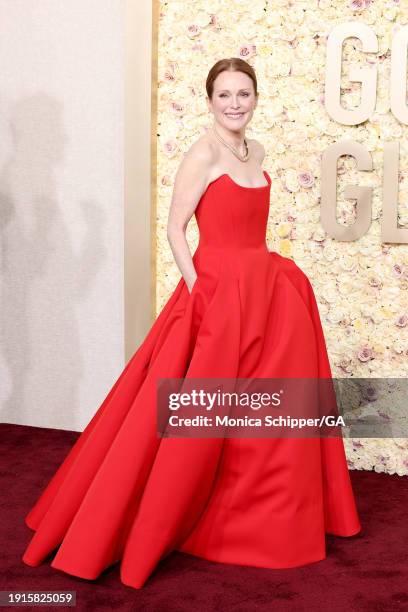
[{"x": 234, "y": 115}]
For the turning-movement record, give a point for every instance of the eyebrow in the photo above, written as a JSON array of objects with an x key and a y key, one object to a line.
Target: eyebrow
[{"x": 242, "y": 89}]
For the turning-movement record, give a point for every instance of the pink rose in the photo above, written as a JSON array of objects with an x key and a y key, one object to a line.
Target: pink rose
[
  {"x": 369, "y": 393},
  {"x": 170, "y": 147},
  {"x": 193, "y": 30},
  {"x": 305, "y": 178},
  {"x": 357, "y": 444},
  {"x": 170, "y": 72},
  {"x": 345, "y": 365},
  {"x": 357, "y": 5},
  {"x": 365, "y": 354},
  {"x": 398, "y": 270},
  {"x": 402, "y": 321},
  {"x": 177, "y": 108},
  {"x": 246, "y": 51},
  {"x": 375, "y": 282},
  {"x": 214, "y": 21}
]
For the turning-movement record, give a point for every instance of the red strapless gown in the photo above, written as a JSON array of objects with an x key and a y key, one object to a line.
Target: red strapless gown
[{"x": 125, "y": 495}]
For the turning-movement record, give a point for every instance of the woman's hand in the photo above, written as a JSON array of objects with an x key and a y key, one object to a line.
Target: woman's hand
[{"x": 191, "y": 285}]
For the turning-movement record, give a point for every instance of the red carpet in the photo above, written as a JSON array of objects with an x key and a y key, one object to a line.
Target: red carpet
[{"x": 366, "y": 572}]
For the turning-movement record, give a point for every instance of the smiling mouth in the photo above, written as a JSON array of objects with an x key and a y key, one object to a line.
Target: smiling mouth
[{"x": 234, "y": 115}]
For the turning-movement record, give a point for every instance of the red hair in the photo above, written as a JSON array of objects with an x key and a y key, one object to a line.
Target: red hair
[{"x": 233, "y": 64}]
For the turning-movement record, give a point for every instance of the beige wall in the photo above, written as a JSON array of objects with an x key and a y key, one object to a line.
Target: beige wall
[
  {"x": 62, "y": 208},
  {"x": 141, "y": 21}
]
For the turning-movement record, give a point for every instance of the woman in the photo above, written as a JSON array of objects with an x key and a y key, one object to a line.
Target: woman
[{"x": 125, "y": 494}]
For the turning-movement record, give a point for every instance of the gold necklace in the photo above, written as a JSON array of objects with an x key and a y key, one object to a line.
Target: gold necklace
[{"x": 243, "y": 158}]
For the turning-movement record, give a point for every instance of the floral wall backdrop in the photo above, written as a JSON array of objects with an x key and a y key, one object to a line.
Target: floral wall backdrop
[{"x": 361, "y": 286}]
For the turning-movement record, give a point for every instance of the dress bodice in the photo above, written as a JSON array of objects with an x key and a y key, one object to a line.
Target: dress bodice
[{"x": 230, "y": 215}]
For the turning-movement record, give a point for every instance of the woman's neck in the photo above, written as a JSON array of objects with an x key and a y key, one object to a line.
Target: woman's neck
[{"x": 236, "y": 139}]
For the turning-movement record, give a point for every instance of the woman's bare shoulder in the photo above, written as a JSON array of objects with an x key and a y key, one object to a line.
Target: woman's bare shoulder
[
  {"x": 194, "y": 171},
  {"x": 257, "y": 148},
  {"x": 202, "y": 149},
  {"x": 199, "y": 160}
]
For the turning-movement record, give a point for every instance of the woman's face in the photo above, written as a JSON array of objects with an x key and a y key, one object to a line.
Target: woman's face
[{"x": 233, "y": 100}]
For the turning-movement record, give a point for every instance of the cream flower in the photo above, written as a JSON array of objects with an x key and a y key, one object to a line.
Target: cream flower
[
  {"x": 283, "y": 229},
  {"x": 291, "y": 180},
  {"x": 285, "y": 247}
]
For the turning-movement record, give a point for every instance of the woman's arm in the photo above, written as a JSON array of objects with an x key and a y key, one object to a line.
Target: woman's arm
[{"x": 190, "y": 183}]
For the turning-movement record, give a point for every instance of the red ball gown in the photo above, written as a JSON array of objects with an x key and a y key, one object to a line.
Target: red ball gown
[{"x": 124, "y": 494}]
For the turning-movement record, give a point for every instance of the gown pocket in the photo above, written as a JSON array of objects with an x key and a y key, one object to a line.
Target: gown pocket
[{"x": 190, "y": 293}]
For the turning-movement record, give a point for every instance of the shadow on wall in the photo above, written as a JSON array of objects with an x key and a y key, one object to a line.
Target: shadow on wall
[{"x": 43, "y": 279}]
